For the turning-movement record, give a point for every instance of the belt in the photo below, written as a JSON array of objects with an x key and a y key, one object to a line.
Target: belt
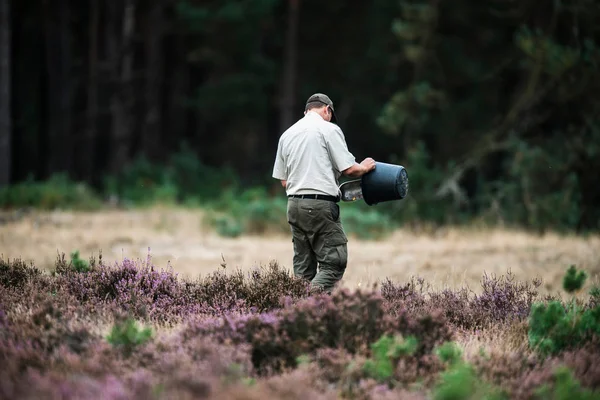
[{"x": 316, "y": 197}]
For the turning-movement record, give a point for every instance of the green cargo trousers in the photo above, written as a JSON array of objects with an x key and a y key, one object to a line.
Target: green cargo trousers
[{"x": 318, "y": 238}]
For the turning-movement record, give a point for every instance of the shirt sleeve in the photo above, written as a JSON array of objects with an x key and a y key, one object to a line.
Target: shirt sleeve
[
  {"x": 279, "y": 170},
  {"x": 341, "y": 158}
]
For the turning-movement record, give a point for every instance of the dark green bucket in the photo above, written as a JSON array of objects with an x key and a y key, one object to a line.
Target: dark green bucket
[{"x": 386, "y": 182}]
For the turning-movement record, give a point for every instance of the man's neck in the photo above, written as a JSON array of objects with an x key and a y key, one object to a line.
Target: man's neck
[{"x": 311, "y": 112}]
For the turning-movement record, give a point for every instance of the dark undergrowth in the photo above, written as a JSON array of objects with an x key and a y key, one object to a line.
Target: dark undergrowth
[{"x": 133, "y": 331}]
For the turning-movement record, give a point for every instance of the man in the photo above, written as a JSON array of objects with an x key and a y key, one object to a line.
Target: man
[{"x": 311, "y": 156}]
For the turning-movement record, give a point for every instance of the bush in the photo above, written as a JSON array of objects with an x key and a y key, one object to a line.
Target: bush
[
  {"x": 78, "y": 264},
  {"x": 139, "y": 288},
  {"x": 364, "y": 222},
  {"x": 262, "y": 289},
  {"x": 182, "y": 179},
  {"x": 251, "y": 211},
  {"x": 127, "y": 335},
  {"x": 449, "y": 353},
  {"x": 348, "y": 320},
  {"x": 16, "y": 273},
  {"x": 573, "y": 279},
  {"x": 56, "y": 192},
  {"x": 386, "y": 352},
  {"x": 67, "y": 334},
  {"x": 554, "y": 327},
  {"x": 502, "y": 299},
  {"x": 142, "y": 183},
  {"x": 565, "y": 387},
  {"x": 460, "y": 382}
]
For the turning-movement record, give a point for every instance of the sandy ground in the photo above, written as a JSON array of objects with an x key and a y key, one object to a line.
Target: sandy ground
[{"x": 449, "y": 258}]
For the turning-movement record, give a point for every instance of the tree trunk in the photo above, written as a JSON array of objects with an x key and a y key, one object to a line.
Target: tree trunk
[
  {"x": 58, "y": 61},
  {"x": 178, "y": 86},
  {"x": 151, "y": 138},
  {"x": 92, "y": 94},
  {"x": 288, "y": 95},
  {"x": 122, "y": 98},
  {"x": 5, "y": 93}
]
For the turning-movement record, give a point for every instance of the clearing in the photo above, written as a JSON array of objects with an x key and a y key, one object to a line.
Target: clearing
[{"x": 450, "y": 257}]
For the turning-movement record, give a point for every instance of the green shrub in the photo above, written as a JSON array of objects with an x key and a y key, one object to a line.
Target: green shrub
[
  {"x": 565, "y": 387},
  {"x": 449, "y": 352},
  {"x": 364, "y": 222},
  {"x": 557, "y": 190},
  {"x": 386, "y": 352},
  {"x": 554, "y": 327},
  {"x": 573, "y": 279},
  {"x": 78, "y": 264},
  {"x": 226, "y": 225},
  {"x": 127, "y": 335},
  {"x": 423, "y": 202},
  {"x": 57, "y": 192},
  {"x": 251, "y": 211},
  {"x": 460, "y": 382},
  {"x": 182, "y": 179},
  {"x": 142, "y": 183},
  {"x": 254, "y": 211}
]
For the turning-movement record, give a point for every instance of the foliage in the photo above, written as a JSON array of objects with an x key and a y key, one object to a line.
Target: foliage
[
  {"x": 537, "y": 193},
  {"x": 250, "y": 211},
  {"x": 78, "y": 264},
  {"x": 254, "y": 211},
  {"x": 344, "y": 319},
  {"x": 502, "y": 299},
  {"x": 386, "y": 352},
  {"x": 564, "y": 387},
  {"x": 460, "y": 382},
  {"x": 366, "y": 223},
  {"x": 492, "y": 108},
  {"x": 183, "y": 178},
  {"x": 56, "y": 192},
  {"x": 554, "y": 327},
  {"x": 573, "y": 279},
  {"x": 17, "y": 273},
  {"x": 511, "y": 151},
  {"x": 460, "y": 379},
  {"x": 127, "y": 335},
  {"x": 449, "y": 353},
  {"x": 263, "y": 334}
]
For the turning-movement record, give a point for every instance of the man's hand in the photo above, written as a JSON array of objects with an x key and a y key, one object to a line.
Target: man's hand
[
  {"x": 284, "y": 183},
  {"x": 358, "y": 170},
  {"x": 368, "y": 163}
]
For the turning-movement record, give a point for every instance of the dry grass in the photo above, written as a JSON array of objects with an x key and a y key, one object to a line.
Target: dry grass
[
  {"x": 497, "y": 340},
  {"x": 448, "y": 258}
]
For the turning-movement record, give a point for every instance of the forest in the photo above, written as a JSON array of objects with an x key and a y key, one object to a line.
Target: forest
[
  {"x": 145, "y": 251},
  {"x": 492, "y": 106}
]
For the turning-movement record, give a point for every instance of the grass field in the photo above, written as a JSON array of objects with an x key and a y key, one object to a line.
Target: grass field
[{"x": 448, "y": 257}]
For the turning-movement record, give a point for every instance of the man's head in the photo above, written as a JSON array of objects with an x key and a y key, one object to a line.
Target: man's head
[{"x": 322, "y": 105}]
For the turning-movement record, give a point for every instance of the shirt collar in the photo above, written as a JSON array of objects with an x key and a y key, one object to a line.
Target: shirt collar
[{"x": 312, "y": 114}]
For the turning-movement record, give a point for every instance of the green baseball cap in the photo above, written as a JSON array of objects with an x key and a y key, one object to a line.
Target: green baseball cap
[{"x": 323, "y": 98}]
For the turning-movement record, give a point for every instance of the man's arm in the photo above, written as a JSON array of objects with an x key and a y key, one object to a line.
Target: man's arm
[
  {"x": 279, "y": 170},
  {"x": 358, "y": 170},
  {"x": 284, "y": 183}
]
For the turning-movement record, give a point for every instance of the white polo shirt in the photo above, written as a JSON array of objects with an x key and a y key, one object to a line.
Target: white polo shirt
[{"x": 311, "y": 155}]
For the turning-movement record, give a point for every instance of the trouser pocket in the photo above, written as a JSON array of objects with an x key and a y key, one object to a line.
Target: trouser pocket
[
  {"x": 334, "y": 209},
  {"x": 335, "y": 250}
]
